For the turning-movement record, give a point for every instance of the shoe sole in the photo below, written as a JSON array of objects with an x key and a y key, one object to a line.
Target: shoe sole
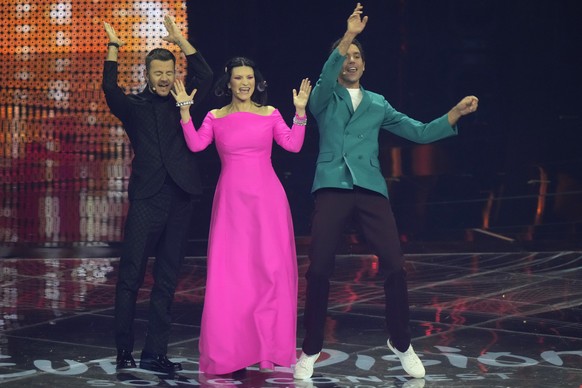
[
  {"x": 394, "y": 350},
  {"x": 158, "y": 369}
]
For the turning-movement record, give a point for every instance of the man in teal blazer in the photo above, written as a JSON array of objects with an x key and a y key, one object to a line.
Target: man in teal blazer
[{"x": 348, "y": 182}]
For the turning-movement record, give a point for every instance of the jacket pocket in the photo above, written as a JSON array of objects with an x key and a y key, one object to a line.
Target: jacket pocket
[{"x": 325, "y": 157}]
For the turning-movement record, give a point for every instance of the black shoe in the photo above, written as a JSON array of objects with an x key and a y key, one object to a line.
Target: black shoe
[
  {"x": 158, "y": 363},
  {"x": 125, "y": 359}
]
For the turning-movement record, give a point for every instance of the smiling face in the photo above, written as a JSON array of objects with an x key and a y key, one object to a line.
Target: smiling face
[
  {"x": 242, "y": 83},
  {"x": 352, "y": 69},
  {"x": 161, "y": 76}
]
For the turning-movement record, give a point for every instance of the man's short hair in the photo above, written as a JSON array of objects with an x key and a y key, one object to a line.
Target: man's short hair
[
  {"x": 354, "y": 42},
  {"x": 159, "y": 54}
]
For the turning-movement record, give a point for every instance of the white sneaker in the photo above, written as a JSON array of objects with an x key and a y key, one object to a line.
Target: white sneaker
[
  {"x": 304, "y": 367},
  {"x": 410, "y": 361}
]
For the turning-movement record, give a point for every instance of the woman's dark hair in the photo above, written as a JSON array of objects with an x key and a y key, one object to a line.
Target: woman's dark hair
[
  {"x": 161, "y": 55},
  {"x": 354, "y": 42},
  {"x": 221, "y": 89}
]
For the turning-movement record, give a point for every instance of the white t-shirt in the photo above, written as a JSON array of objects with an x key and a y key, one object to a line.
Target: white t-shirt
[{"x": 356, "y": 95}]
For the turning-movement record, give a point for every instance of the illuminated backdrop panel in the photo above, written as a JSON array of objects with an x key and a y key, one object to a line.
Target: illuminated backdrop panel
[{"x": 64, "y": 159}]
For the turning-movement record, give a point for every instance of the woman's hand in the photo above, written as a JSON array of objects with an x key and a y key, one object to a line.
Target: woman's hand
[{"x": 300, "y": 99}]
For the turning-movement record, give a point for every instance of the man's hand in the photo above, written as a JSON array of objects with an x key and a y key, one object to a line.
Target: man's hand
[
  {"x": 112, "y": 35},
  {"x": 466, "y": 106},
  {"x": 174, "y": 34},
  {"x": 176, "y": 37},
  {"x": 356, "y": 23},
  {"x": 180, "y": 94},
  {"x": 183, "y": 99}
]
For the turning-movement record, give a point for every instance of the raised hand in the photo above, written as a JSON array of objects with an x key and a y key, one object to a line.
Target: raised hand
[
  {"x": 174, "y": 33},
  {"x": 112, "y": 35},
  {"x": 356, "y": 23},
  {"x": 176, "y": 37},
  {"x": 180, "y": 94},
  {"x": 300, "y": 99},
  {"x": 467, "y": 105},
  {"x": 183, "y": 99}
]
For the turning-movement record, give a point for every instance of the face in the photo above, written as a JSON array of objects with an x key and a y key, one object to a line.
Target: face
[
  {"x": 242, "y": 82},
  {"x": 352, "y": 69},
  {"x": 161, "y": 77}
]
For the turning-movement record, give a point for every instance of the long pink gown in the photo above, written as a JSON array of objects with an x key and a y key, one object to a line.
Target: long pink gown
[{"x": 250, "y": 305}]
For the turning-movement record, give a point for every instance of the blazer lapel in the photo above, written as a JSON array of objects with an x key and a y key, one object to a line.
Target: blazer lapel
[
  {"x": 345, "y": 96},
  {"x": 363, "y": 107}
]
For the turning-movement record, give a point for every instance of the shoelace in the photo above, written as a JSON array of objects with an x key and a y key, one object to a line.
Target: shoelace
[{"x": 303, "y": 361}]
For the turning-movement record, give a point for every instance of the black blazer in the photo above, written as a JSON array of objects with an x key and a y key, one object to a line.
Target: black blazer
[{"x": 152, "y": 124}]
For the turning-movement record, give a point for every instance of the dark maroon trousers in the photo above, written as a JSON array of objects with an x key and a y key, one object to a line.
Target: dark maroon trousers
[{"x": 334, "y": 208}]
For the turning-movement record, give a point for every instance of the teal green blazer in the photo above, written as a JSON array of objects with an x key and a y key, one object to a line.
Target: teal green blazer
[{"x": 348, "y": 140}]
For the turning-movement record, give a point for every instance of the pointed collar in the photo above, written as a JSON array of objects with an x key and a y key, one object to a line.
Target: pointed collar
[{"x": 343, "y": 93}]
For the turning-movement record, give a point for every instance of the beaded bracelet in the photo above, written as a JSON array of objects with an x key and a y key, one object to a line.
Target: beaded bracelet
[
  {"x": 301, "y": 121},
  {"x": 184, "y": 103}
]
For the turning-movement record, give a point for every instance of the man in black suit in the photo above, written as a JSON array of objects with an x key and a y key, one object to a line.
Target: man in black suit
[{"x": 164, "y": 180}]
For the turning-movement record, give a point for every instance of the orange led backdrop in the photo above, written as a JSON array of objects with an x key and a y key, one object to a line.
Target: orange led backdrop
[{"x": 64, "y": 159}]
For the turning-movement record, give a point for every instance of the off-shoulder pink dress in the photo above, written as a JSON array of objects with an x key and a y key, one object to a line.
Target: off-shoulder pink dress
[{"x": 250, "y": 305}]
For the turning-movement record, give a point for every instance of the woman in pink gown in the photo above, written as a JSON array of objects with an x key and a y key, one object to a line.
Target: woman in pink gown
[{"x": 250, "y": 305}]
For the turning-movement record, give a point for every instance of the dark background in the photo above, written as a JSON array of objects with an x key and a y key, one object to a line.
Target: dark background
[
  {"x": 521, "y": 58},
  {"x": 511, "y": 179}
]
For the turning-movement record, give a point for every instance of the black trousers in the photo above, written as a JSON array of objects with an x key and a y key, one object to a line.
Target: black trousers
[
  {"x": 372, "y": 211},
  {"x": 154, "y": 226}
]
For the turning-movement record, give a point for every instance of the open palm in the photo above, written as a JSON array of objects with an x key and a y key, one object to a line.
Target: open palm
[
  {"x": 300, "y": 99},
  {"x": 112, "y": 35}
]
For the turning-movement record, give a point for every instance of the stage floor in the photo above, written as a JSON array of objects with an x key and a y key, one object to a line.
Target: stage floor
[{"x": 478, "y": 320}]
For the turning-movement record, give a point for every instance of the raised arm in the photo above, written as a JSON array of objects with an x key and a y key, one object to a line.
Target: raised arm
[
  {"x": 325, "y": 86},
  {"x": 199, "y": 73},
  {"x": 441, "y": 127},
  {"x": 300, "y": 99},
  {"x": 175, "y": 36},
  {"x": 114, "y": 43},
  {"x": 116, "y": 99},
  {"x": 197, "y": 140},
  {"x": 466, "y": 106},
  {"x": 355, "y": 25},
  {"x": 291, "y": 139},
  {"x": 183, "y": 99}
]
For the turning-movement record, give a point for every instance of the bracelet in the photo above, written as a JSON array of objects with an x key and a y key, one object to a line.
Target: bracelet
[
  {"x": 301, "y": 121},
  {"x": 116, "y": 45},
  {"x": 184, "y": 103}
]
